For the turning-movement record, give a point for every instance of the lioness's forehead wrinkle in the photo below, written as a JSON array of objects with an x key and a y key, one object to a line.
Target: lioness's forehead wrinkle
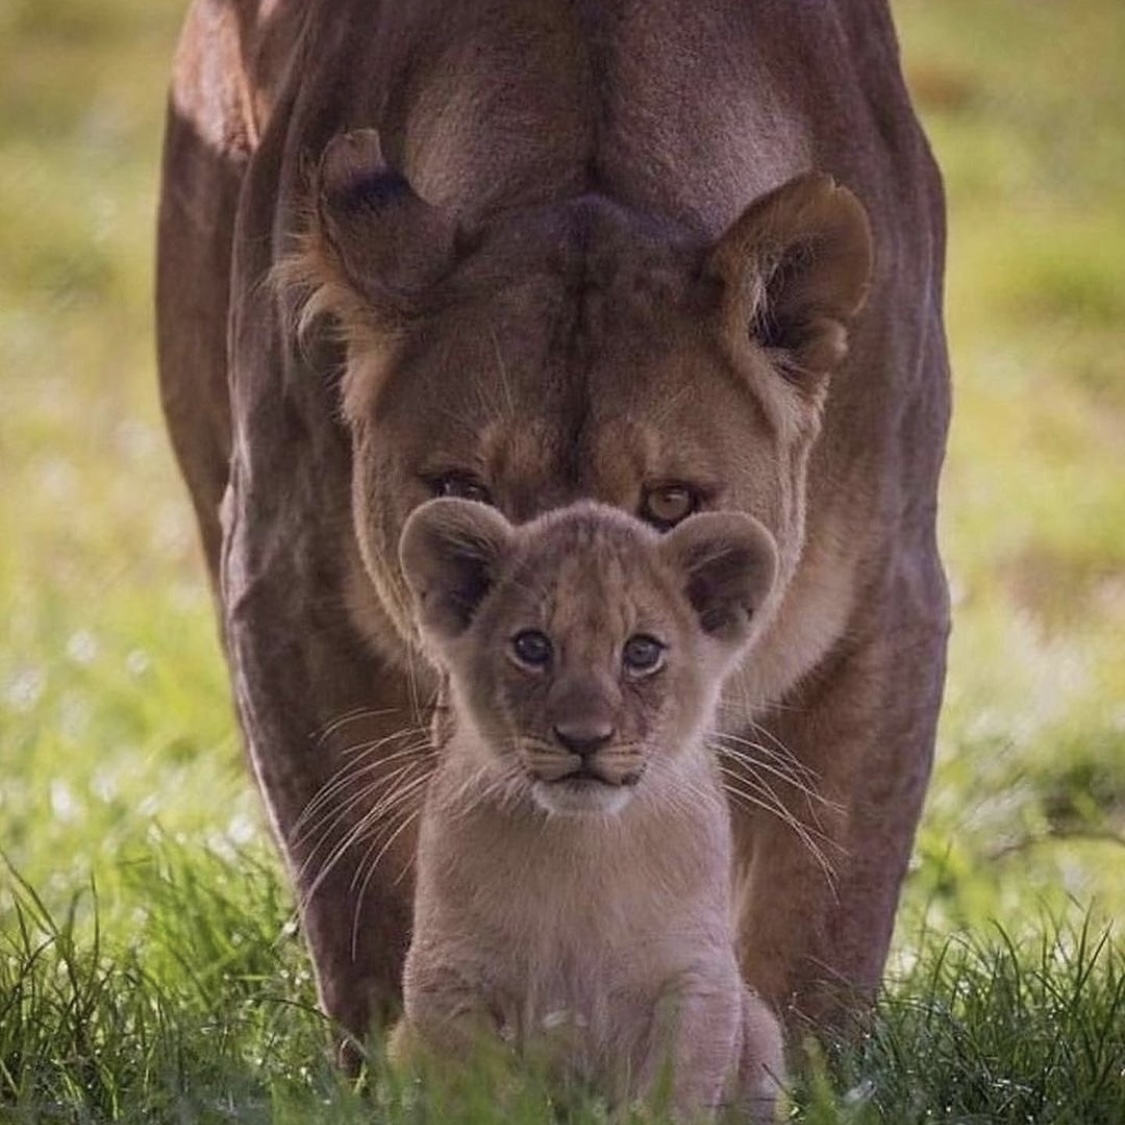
[{"x": 566, "y": 358}]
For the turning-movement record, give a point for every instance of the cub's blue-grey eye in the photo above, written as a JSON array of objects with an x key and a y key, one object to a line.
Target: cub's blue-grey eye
[
  {"x": 642, "y": 655},
  {"x": 532, "y": 648}
]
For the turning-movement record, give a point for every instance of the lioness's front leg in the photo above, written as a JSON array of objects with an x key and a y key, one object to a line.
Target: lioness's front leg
[
  {"x": 338, "y": 736},
  {"x": 817, "y": 895},
  {"x": 341, "y": 758},
  {"x": 338, "y": 740},
  {"x": 330, "y": 728}
]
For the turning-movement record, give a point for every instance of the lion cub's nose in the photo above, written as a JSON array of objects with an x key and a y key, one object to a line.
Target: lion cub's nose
[{"x": 584, "y": 737}]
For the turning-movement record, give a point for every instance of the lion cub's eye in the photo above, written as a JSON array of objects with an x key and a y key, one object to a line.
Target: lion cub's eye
[
  {"x": 532, "y": 648},
  {"x": 462, "y": 486},
  {"x": 642, "y": 655},
  {"x": 667, "y": 505}
]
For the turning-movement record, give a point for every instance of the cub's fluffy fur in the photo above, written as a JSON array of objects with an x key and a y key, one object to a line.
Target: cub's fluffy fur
[{"x": 574, "y": 862}]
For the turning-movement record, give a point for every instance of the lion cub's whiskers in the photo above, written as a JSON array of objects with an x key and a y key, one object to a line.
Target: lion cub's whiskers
[
  {"x": 351, "y": 785},
  {"x": 373, "y": 826},
  {"x": 395, "y": 781},
  {"x": 755, "y": 792},
  {"x": 356, "y": 715},
  {"x": 747, "y": 760},
  {"x": 763, "y": 765},
  {"x": 400, "y": 805},
  {"x": 502, "y": 782},
  {"x": 385, "y": 787},
  {"x": 353, "y": 771},
  {"x": 772, "y": 749}
]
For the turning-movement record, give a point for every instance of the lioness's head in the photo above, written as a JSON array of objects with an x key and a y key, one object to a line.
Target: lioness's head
[
  {"x": 577, "y": 349},
  {"x": 584, "y": 647}
]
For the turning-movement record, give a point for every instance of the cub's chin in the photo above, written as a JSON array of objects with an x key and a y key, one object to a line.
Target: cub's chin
[{"x": 580, "y": 796}]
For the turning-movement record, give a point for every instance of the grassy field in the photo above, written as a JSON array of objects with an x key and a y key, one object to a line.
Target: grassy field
[{"x": 149, "y": 964}]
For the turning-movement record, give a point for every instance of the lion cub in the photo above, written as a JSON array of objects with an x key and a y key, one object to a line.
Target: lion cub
[{"x": 573, "y": 879}]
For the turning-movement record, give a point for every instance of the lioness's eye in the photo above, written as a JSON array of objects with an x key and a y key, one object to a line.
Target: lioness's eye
[
  {"x": 642, "y": 655},
  {"x": 463, "y": 486},
  {"x": 532, "y": 648},
  {"x": 667, "y": 505}
]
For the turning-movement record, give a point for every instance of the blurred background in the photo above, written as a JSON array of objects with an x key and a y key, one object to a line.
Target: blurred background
[{"x": 115, "y": 721}]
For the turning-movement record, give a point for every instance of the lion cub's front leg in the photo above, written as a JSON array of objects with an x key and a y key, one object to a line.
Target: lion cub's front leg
[
  {"x": 447, "y": 1016},
  {"x": 761, "y": 1062},
  {"x": 714, "y": 1044}
]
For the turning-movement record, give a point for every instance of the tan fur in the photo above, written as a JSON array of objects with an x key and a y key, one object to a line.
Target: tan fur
[
  {"x": 664, "y": 255},
  {"x": 588, "y": 921}
]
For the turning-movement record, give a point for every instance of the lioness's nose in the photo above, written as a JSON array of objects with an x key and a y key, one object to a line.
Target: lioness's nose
[{"x": 584, "y": 737}]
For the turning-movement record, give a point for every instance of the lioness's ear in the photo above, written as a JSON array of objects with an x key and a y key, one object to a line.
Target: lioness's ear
[
  {"x": 728, "y": 561},
  {"x": 796, "y": 267},
  {"x": 450, "y": 553},
  {"x": 374, "y": 246}
]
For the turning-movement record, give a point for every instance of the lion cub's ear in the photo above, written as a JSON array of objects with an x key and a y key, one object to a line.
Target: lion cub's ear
[
  {"x": 728, "y": 561},
  {"x": 374, "y": 247},
  {"x": 796, "y": 267},
  {"x": 450, "y": 552}
]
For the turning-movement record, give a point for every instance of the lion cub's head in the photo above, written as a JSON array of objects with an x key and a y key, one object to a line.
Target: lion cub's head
[{"x": 584, "y": 650}]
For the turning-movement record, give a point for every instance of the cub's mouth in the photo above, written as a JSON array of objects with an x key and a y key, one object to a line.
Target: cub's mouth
[
  {"x": 585, "y": 789},
  {"x": 594, "y": 781},
  {"x": 594, "y": 772}
]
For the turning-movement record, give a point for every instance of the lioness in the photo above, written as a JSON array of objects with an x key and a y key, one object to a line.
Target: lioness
[
  {"x": 532, "y": 251},
  {"x": 573, "y": 872}
]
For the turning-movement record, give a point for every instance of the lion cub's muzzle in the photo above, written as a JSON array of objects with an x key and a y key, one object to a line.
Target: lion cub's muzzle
[{"x": 594, "y": 760}]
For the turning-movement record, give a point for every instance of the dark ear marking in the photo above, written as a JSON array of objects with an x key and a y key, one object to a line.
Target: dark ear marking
[
  {"x": 368, "y": 261},
  {"x": 390, "y": 245},
  {"x": 451, "y": 552},
  {"x": 796, "y": 267},
  {"x": 728, "y": 563}
]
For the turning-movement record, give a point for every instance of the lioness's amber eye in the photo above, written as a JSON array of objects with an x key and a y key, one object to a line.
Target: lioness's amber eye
[
  {"x": 532, "y": 648},
  {"x": 667, "y": 505},
  {"x": 463, "y": 486},
  {"x": 642, "y": 654}
]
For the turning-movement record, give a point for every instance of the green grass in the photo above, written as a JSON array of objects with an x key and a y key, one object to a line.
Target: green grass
[
  {"x": 204, "y": 1012},
  {"x": 150, "y": 968}
]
